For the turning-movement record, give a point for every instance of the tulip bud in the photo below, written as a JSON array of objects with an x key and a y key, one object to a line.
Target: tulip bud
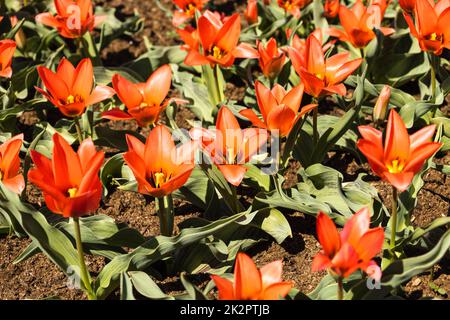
[
  {"x": 380, "y": 109},
  {"x": 20, "y": 35},
  {"x": 251, "y": 13},
  {"x": 331, "y": 8}
]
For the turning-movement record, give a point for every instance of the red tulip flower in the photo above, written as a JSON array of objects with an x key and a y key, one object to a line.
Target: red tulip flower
[
  {"x": 71, "y": 90},
  {"x": 70, "y": 180},
  {"x": 432, "y": 27},
  {"x": 251, "y": 283},
  {"x": 7, "y": 49},
  {"x": 323, "y": 76},
  {"x": 407, "y": 5},
  {"x": 402, "y": 155},
  {"x": 293, "y": 6},
  {"x": 350, "y": 250},
  {"x": 159, "y": 166},
  {"x": 144, "y": 101},
  {"x": 271, "y": 58},
  {"x": 73, "y": 18},
  {"x": 219, "y": 42},
  {"x": 251, "y": 12},
  {"x": 229, "y": 146},
  {"x": 358, "y": 23},
  {"x": 278, "y": 107},
  {"x": 10, "y": 164},
  {"x": 186, "y": 10},
  {"x": 331, "y": 8}
]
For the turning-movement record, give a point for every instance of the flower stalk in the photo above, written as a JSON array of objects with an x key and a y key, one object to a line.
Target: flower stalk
[
  {"x": 85, "y": 276},
  {"x": 340, "y": 289},
  {"x": 394, "y": 219},
  {"x": 165, "y": 214}
]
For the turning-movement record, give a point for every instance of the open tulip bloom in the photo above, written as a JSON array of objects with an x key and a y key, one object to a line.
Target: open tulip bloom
[
  {"x": 352, "y": 249},
  {"x": 186, "y": 10},
  {"x": 160, "y": 168},
  {"x": 73, "y": 18},
  {"x": 279, "y": 108},
  {"x": 144, "y": 101},
  {"x": 10, "y": 164},
  {"x": 72, "y": 90},
  {"x": 432, "y": 27},
  {"x": 293, "y": 6},
  {"x": 319, "y": 75},
  {"x": 251, "y": 283},
  {"x": 71, "y": 186},
  {"x": 7, "y": 49},
  {"x": 359, "y": 21},
  {"x": 219, "y": 42},
  {"x": 230, "y": 147},
  {"x": 402, "y": 156}
]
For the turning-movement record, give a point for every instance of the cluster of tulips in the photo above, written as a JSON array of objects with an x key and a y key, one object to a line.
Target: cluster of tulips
[{"x": 70, "y": 179}]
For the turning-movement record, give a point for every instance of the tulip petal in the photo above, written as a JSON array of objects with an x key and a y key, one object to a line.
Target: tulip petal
[
  {"x": 356, "y": 226},
  {"x": 397, "y": 141},
  {"x": 158, "y": 85},
  {"x": 251, "y": 115},
  {"x": 128, "y": 92},
  {"x": 320, "y": 262},
  {"x": 233, "y": 173},
  {"x": 244, "y": 50},
  {"x": 370, "y": 244},
  {"x": 271, "y": 273},
  {"x": 66, "y": 72},
  {"x": 400, "y": 180},
  {"x": 345, "y": 262},
  {"x": 159, "y": 151},
  {"x": 15, "y": 184},
  {"x": 282, "y": 119},
  {"x": 99, "y": 94},
  {"x": 116, "y": 114},
  {"x": 293, "y": 98},
  {"x": 276, "y": 291},
  {"x": 420, "y": 155},
  {"x": 228, "y": 36},
  {"x": 247, "y": 278},
  {"x": 225, "y": 288},
  {"x": 84, "y": 79},
  {"x": 327, "y": 234}
]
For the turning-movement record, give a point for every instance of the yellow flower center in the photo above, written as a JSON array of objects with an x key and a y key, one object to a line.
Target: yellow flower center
[
  {"x": 190, "y": 9},
  {"x": 321, "y": 76},
  {"x": 435, "y": 37},
  {"x": 74, "y": 99},
  {"x": 217, "y": 53},
  {"x": 396, "y": 166},
  {"x": 72, "y": 192},
  {"x": 159, "y": 178},
  {"x": 230, "y": 156},
  {"x": 287, "y": 5}
]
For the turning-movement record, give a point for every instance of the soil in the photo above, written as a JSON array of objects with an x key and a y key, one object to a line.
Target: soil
[{"x": 38, "y": 278}]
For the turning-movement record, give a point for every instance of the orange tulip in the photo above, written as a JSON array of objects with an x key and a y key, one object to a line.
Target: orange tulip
[
  {"x": 73, "y": 18},
  {"x": 186, "y": 10},
  {"x": 251, "y": 12},
  {"x": 159, "y": 166},
  {"x": 71, "y": 90},
  {"x": 407, "y": 5},
  {"x": 293, "y": 6},
  {"x": 219, "y": 42},
  {"x": 299, "y": 46},
  {"x": 319, "y": 75},
  {"x": 402, "y": 156},
  {"x": 358, "y": 23},
  {"x": 20, "y": 37},
  {"x": 271, "y": 58},
  {"x": 331, "y": 8},
  {"x": 251, "y": 283},
  {"x": 10, "y": 164},
  {"x": 432, "y": 22},
  {"x": 229, "y": 146},
  {"x": 278, "y": 107},
  {"x": 7, "y": 49},
  {"x": 144, "y": 101},
  {"x": 350, "y": 250},
  {"x": 70, "y": 180}
]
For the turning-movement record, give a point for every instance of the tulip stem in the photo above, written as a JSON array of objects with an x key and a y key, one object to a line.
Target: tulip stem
[
  {"x": 165, "y": 214},
  {"x": 340, "y": 292},
  {"x": 78, "y": 127},
  {"x": 315, "y": 130},
  {"x": 90, "y": 49},
  {"x": 394, "y": 218},
  {"x": 235, "y": 198},
  {"x": 85, "y": 277}
]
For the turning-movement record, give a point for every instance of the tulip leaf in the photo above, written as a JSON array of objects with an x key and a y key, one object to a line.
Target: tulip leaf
[
  {"x": 126, "y": 287},
  {"x": 51, "y": 241},
  {"x": 154, "y": 250},
  {"x": 193, "y": 292},
  {"x": 145, "y": 285}
]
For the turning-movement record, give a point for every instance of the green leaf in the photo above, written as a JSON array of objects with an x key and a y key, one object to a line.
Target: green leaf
[
  {"x": 126, "y": 287},
  {"x": 145, "y": 285},
  {"x": 154, "y": 250}
]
